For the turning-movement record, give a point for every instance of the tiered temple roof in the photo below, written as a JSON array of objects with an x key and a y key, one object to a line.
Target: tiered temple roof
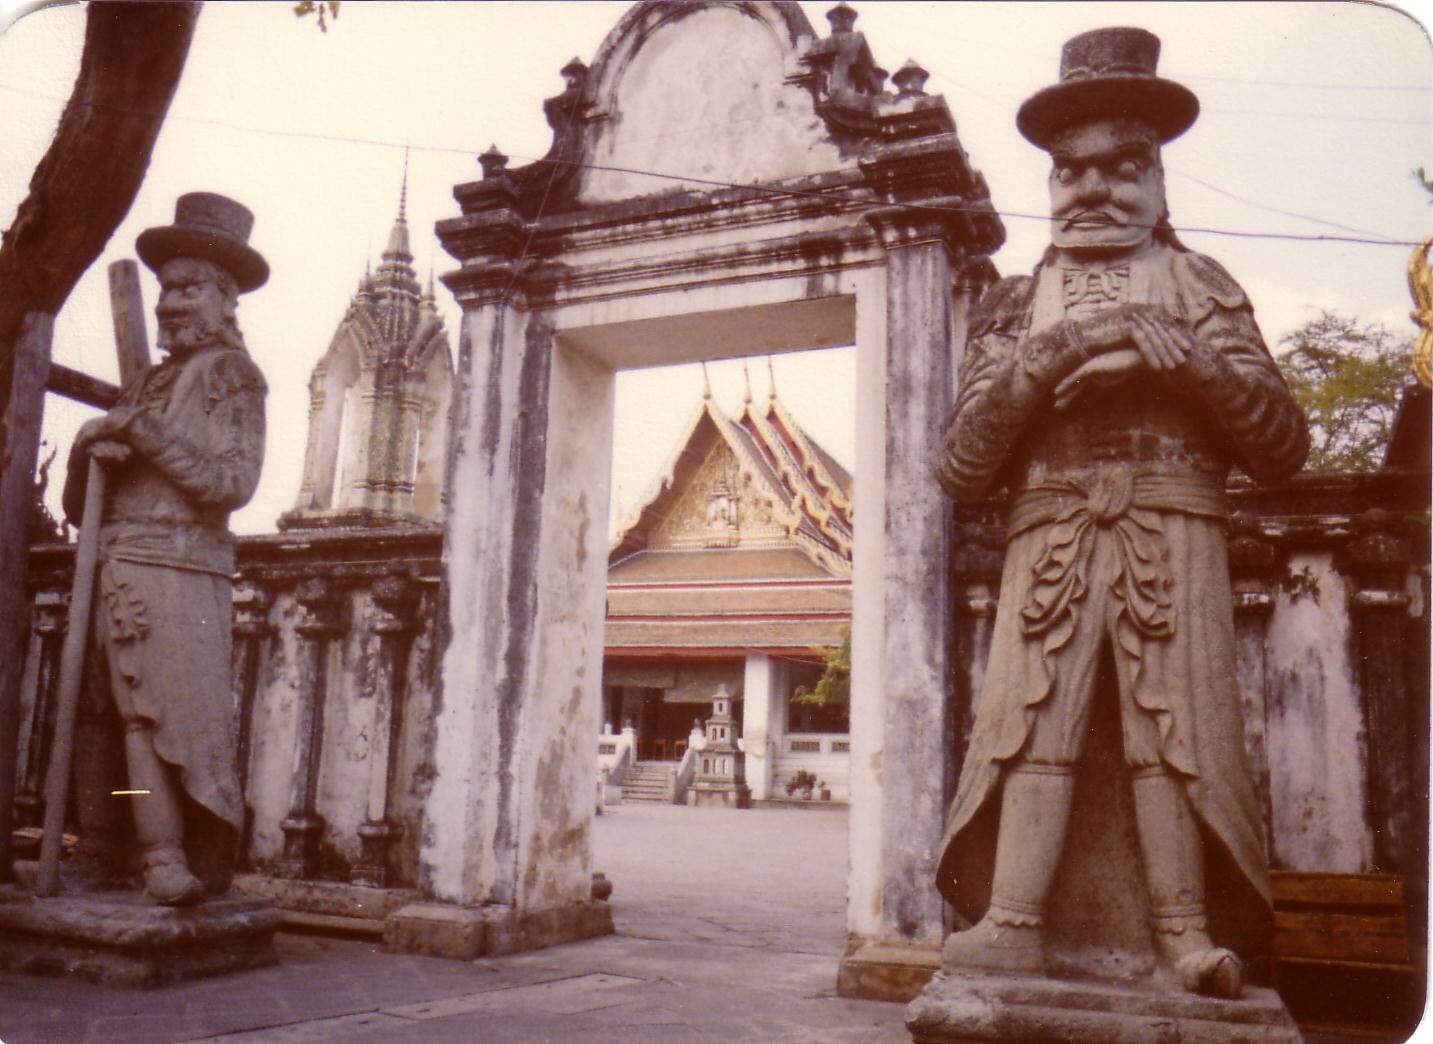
[{"x": 745, "y": 542}]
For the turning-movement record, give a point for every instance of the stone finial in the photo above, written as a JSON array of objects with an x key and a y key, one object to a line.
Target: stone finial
[
  {"x": 881, "y": 76},
  {"x": 910, "y": 79},
  {"x": 575, "y": 73},
  {"x": 842, "y": 17},
  {"x": 493, "y": 162}
]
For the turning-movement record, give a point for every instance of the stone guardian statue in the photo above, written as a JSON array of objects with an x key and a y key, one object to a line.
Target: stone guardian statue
[
  {"x": 1110, "y": 393},
  {"x": 183, "y": 449}
]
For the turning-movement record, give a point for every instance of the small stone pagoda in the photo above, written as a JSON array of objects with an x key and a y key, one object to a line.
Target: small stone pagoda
[
  {"x": 721, "y": 765},
  {"x": 378, "y": 404}
]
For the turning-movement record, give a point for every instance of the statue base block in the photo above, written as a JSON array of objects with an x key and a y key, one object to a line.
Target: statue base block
[
  {"x": 956, "y": 1008},
  {"x": 467, "y": 932},
  {"x": 122, "y": 939}
]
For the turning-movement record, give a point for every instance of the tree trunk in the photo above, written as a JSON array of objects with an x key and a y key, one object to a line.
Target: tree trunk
[{"x": 80, "y": 192}]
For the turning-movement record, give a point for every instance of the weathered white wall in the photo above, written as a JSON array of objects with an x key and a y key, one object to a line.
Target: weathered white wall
[
  {"x": 1314, "y": 730},
  {"x": 868, "y": 611},
  {"x": 563, "y": 704},
  {"x": 739, "y": 121}
]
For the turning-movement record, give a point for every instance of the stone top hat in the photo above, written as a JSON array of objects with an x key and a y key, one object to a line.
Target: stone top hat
[
  {"x": 210, "y": 227},
  {"x": 1109, "y": 73}
]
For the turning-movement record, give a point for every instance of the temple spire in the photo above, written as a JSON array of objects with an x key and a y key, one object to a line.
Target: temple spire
[{"x": 398, "y": 248}]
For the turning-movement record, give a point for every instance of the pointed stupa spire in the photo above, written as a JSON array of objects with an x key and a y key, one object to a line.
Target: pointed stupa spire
[
  {"x": 770, "y": 380},
  {"x": 706, "y": 384},
  {"x": 398, "y": 249}
]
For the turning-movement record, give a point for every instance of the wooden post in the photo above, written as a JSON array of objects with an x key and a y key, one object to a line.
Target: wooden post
[{"x": 21, "y": 445}]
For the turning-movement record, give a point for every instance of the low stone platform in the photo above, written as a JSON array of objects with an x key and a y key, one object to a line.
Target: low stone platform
[
  {"x": 467, "y": 932},
  {"x": 122, "y": 939},
  {"x": 970, "y": 1007}
]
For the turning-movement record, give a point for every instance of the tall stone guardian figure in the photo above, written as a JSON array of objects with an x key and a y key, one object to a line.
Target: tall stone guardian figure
[
  {"x": 1111, "y": 393},
  {"x": 183, "y": 449}
]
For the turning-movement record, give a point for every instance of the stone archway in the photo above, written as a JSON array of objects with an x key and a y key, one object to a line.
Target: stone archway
[{"x": 830, "y": 211}]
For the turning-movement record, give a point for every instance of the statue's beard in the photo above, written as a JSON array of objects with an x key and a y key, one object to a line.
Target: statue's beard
[{"x": 182, "y": 335}]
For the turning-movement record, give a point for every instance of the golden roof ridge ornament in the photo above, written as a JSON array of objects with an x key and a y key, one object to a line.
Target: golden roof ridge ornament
[{"x": 1420, "y": 285}]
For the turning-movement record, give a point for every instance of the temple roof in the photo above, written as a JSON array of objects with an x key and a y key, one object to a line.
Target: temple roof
[
  {"x": 755, "y": 481},
  {"x": 745, "y": 541}
]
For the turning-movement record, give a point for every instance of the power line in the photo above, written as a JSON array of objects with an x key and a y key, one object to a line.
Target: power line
[
  {"x": 1273, "y": 209},
  {"x": 858, "y": 202},
  {"x": 867, "y": 203}
]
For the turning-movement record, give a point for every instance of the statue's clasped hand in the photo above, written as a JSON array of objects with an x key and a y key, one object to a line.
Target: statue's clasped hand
[
  {"x": 104, "y": 438},
  {"x": 1139, "y": 338}
]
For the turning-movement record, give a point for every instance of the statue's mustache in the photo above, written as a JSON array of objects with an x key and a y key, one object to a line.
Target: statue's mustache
[{"x": 1102, "y": 217}]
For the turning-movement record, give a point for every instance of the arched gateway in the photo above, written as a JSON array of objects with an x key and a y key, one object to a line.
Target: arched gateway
[{"x": 818, "y": 209}]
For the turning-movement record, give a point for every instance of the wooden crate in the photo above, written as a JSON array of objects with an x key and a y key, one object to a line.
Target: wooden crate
[{"x": 1343, "y": 957}]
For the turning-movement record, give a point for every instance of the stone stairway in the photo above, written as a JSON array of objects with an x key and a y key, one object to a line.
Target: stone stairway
[{"x": 648, "y": 781}]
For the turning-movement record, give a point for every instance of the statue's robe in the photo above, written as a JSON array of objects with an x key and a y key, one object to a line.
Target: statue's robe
[
  {"x": 1117, "y": 537},
  {"x": 162, "y": 624}
]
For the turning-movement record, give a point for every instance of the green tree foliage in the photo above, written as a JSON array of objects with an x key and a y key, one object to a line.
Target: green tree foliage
[
  {"x": 1348, "y": 377},
  {"x": 833, "y": 688}
]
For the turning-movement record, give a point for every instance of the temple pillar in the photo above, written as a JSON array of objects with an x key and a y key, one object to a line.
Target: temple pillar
[
  {"x": 395, "y": 600},
  {"x": 902, "y": 670},
  {"x": 303, "y": 826},
  {"x": 506, "y": 853},
  {"x": 763, "y": 699}
]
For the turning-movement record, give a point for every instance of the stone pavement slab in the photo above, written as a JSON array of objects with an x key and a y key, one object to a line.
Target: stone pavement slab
[{"x": 729, "y": 926}]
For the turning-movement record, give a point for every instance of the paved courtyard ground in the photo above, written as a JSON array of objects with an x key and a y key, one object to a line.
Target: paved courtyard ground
[{"x": 729, "y": 926}]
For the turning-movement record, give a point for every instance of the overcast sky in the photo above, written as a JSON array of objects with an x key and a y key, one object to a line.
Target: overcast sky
[{"x": 1314, "y": 116}]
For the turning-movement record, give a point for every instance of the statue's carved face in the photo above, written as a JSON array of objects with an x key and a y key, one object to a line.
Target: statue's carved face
[
  {"x": 193, "y": 305},
  {"x": 1106, "y": 186}
]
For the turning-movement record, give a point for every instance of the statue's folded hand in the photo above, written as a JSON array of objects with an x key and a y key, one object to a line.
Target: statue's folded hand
[{"x": 1103, "y": 371}]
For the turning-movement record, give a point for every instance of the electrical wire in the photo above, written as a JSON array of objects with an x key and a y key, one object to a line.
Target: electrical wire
[{"x": 858, "y": 202}]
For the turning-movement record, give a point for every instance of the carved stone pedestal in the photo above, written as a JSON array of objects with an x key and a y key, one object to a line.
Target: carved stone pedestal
[
  {"x": 955, "y": 1009},
  {"x": 122, "y": 939}
]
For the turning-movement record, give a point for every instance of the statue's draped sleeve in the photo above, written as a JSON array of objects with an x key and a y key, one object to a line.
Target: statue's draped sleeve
[
  {"x": 1231, "y": 372},
  {"x": 996, "y": 394},
  {"x": 221, "y": 466}
]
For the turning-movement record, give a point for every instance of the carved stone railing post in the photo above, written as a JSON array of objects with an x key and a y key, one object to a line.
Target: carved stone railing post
[
  {"x": 302, "y": 826},
  {"x": 1379, "y": 557},
  {"x": 37, "y": 705},
  {"x": 395, "y": 599},
  {"x": 251, "y": 626},
  {"x": 1252, "y": 564}
]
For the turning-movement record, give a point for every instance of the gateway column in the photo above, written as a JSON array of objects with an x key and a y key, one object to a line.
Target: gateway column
[
  {"x": 902, "y": 615},
  {"x": 506, "y": 854}
]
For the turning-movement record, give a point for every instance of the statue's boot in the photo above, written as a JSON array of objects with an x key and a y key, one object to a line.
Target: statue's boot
[
  {"x": 1034, "y": 815},
  {"x": 159, "y": 822},
  {"x": 1174, "y": 870}
]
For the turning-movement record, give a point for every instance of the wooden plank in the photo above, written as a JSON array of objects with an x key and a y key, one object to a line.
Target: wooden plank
[
  {"x": 1348, "y": 890},
  {"x": 1344, "y": 936},
  {"x": 131, "y": 340},
  {"x": 81, "y": 387}
]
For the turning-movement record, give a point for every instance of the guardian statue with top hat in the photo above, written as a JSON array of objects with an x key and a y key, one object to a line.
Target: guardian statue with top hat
[
  {"x": 182, "y": 449},
  {"x": 1110, "y": 393}
]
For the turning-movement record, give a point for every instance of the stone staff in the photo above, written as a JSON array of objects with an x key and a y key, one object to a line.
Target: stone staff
[{"x": 131, "y": 342}]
